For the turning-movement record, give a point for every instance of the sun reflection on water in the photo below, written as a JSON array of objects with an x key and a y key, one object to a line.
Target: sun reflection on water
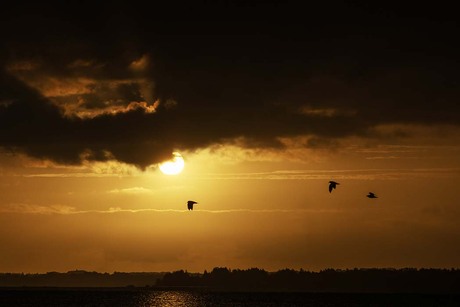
[{"x": 172, "y": 299}]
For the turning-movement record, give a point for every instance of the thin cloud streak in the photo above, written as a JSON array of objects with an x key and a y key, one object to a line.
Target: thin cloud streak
[
  {"x": 273, "y": 211},
  {"x": 71, "y": 175},
  {"x": 67, "y": 210},
  {"x": 357, "y": 174},
  {"x": 133, "y": 190},
  {"x": 352, "y": 174}
]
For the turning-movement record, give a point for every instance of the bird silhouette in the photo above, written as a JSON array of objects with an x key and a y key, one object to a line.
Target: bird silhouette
[
  {"x": 371, "y": 195},
  {"x": 190, "y": 204},
  {"x": 332, "y": 185}
]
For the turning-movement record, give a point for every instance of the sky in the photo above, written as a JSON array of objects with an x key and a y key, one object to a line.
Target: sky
[{"x": 265, "y": 101}]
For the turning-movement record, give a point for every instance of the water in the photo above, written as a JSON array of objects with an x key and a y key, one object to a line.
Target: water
[{"x": 148, "y": 297}]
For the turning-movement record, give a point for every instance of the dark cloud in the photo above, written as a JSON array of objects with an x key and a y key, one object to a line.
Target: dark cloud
[{"x": 253, "y": 72}]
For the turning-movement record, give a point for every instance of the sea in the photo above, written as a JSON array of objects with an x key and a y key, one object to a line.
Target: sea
[{"x": 147, "y": 297}]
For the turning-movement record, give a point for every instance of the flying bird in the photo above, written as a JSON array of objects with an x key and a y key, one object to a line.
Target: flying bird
[
  {"x": 332, "y": 185},
  {"x": 371, "y": 195},
  {"x": 190, "y": 204}
]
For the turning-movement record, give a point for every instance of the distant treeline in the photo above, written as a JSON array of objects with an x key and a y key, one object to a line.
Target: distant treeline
[
  {"x": 79, "y": 278},
  {"x": 406, "y": 280},
  {"x": 355, "y": 280}
]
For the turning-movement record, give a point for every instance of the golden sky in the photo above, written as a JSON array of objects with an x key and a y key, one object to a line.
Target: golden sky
[{"x": 265, "y": 112}]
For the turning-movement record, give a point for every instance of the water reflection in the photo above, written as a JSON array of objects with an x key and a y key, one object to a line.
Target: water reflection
[
  {"x": 173, "y": 299},
  {"x": 137, "y": 297}
]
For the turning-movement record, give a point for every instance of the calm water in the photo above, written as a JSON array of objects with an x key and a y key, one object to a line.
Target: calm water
[{"x": 147, "y": 297}]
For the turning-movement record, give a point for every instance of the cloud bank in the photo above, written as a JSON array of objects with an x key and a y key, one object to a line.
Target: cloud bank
[{"x": 122, "y": 87}]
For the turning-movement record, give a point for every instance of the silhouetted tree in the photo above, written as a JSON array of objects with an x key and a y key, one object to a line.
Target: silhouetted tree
[
  {"x": 179, "y": 278},
  {"x": 371, "y": 280}
]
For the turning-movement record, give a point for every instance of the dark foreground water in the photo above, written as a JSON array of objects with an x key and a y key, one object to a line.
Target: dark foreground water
[{"x": 149, "y": 297}]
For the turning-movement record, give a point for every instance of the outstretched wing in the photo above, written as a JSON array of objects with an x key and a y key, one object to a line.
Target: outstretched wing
[
  {"x": 371, "y": 195},
  {"x": 190, "y": 204},
  {"x": 332, "y": 185}
]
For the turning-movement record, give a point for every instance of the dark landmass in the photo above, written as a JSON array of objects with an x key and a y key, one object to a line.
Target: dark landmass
[
  {"x": 406, "y": 280},
  {"x": 80, "y": 278},
  {"x": 374, "y": 280}
]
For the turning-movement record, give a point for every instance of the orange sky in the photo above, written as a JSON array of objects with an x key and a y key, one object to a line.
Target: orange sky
[
  {"x": 266, "y": 103},
  {"x": 269, "y": 210}
]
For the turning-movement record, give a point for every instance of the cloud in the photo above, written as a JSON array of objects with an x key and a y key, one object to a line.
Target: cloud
[
  {"x": 133, "y": 190},
  {"x": 67, "y": 210},
  {"x": 140, "y": 64},
  {"x": 344, "y": 174},
  {"x": 326, "y": 112},
  {"x": 37, "y": 209},
  {"x": 81, "y": 88},
  {"x": 137, "y": 90}
]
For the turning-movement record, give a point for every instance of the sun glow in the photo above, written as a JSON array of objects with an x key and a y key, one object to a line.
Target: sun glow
[{"x": 174, "y": 166}]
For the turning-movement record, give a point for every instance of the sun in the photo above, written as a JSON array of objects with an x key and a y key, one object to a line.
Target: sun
[{"x": 173, "y": 166}]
